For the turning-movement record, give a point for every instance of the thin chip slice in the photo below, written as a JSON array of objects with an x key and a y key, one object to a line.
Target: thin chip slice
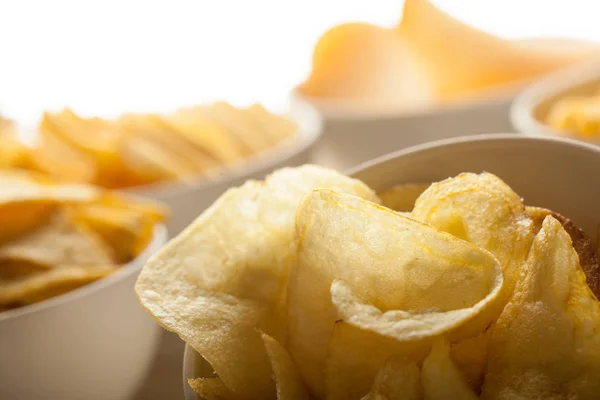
[
  {"x": 545, "y": 345},
  {"x": 583, "y": 245},
  {"x": 34, "y": 288},
  {"x": 58, "y": 242},
  {"x": 287, "y": 380},
  {"x": 402, "y": 197},
  {"x": 399, "y": 379},
  {"x": 356, "y": 356},
  {"x": 441, "y": 377},
  {"x": 470, "y": 356},
  {"x": 483, "y": 210},
  {"x": 420, "y": 282},
  {"x": 183, "y": 285},
  {"x": 211, "y": 389}
]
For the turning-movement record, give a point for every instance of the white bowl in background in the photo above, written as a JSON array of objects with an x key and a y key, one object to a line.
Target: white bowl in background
[
  {"x": 546, "y": 172},
  {"x": 94, "y": 343},
  {"x": 186, "y": 202},
  {"x": 530, "y": 109}
]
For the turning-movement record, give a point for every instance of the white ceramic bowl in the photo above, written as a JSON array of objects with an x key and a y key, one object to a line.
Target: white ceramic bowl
[
  {"x": 530, "y": 109},
  {"x": 546, "y": 172},
  {"x": 95, "y": 342},
  {"x": 186, "y": 202}
]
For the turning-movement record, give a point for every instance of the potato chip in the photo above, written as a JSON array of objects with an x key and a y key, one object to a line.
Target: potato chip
[
  {"x": 470, "y": 356},
  {"x": 546, "y": 343},
  {"x": 19, "y": 218},
  {"x": 420, "y": 283},
  {"x": 398, "y": 379},
  {"x": 355, "y": 356},
  {"x": 441, "y": 377},
  {"x": 206, "y": 273},
  {"x": 37, "y": 287},
  {"x": 276, "y": 128},
  {"x": 583, "y": 245},
  {"x": 58, "y": 242},
  {"x": 211, "y": 389},
  {"x": 402, "y": 197},
  {"x": 483, "y": 210},
  {"x": 287, "y": 380}
]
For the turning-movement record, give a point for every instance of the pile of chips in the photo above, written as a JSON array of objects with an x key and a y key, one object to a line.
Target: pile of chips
[
  {"x": 135, "y": 149},
  {"x": 56, "y": 237},
  {"x": 311, "y": 285}
]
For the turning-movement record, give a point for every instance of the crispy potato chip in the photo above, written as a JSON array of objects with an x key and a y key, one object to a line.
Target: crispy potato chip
[
  {"x": 37, "y": 287},
  {"x": 546, "y": 343},
  {"x": 356, "y": 356},
  {"x": 402, "y": 197},
  {"x": 398, "y": 379},
  {"x": 483, "y": 210},
  {"x": 287, "y": 380},
  {"x": 58, "y": 242},
  {"x": 421, "y": 282},
  {"x": 211, "y": 389},
  {"x": 470, "y": 356},
  {"x": 441, "y": 377},
  {"x": 183, "y": 285},
  {"x": 583, "y": 245}
]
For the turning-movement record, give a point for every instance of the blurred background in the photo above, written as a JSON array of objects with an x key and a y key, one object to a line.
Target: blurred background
[{"x": 104, "y": 57}]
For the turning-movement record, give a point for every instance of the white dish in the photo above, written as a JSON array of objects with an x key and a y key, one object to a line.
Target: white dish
[
  {"x": 527, "y": 164},
  {"x": 95, "y": 342},
  {"x": 186, "y": 202},
  {"x": 530, "y": 109}
]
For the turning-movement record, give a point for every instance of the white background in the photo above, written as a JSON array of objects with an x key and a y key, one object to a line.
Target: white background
[{"x": 106, "y": 57}]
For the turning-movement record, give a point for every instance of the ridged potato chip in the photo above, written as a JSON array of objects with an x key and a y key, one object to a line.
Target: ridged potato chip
[
  {"x": 545, "y": 345},
  {"x": 420, "y": 282},
  {"x": 483, "y": 210},
  {"x": 441, "y": 378},
  {"x": 199, "y": 281},
  {"x": 398, "y": 379},
  {"x": 402, "y": 197}
]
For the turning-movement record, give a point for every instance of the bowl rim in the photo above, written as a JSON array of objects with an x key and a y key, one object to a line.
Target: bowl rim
[
  {"x": 309, "y": 130},
  {"x": 159, "y": 237},
  {"x": 523, "y": 107},
  {"x": 190, "y": 354}
]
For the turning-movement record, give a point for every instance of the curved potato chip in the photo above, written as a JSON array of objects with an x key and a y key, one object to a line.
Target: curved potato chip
[
  {"x": 588, "y": 259},
  {"x": 211, "y": 389},
  {"x": 402, "y": 197},
  {"x": 397, "y": 380},
  {"x": 60, "y": 241},
  {"x": 470, "y": 355},
  {"x": 183, "y": 285},
  {"x": 412, "y": 266},
  {"x": 38, "y": 287},
  {"x": 287, "y": 380},
  {"x": 483, "y": 210},
  {"x": 545, "y": 345},
  {"x": 441, "y": 378}
]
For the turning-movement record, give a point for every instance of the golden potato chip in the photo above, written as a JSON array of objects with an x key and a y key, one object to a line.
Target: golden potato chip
[
  {"x": 60, "y": 241},
  {"x": 184, "y": 284},
  {"x": 420, "y": 282},
  {"x": 276, "y": 128},
  {"x": 398, "y": 379},
  {"x": 211, "y": 389},
  {"x": 37, "y": 287},
  {"x": 588, "y": 258},
  {"x": 402, "y": 197},
  {"x": 287, "y": 380},
  {"x": 470, "y": 356},
  {"x": 355, "y": 356},
  {"x": 19, "y": 218},
  {"x": 546, "y": 343},
  {"x": 483, "y": 210},
  {"x": 441, "y": 377}
]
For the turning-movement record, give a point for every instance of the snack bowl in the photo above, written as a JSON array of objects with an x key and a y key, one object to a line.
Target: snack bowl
[
  {"x": 94, "y": 342},
  {"x": 549, "y": 172},
  {"x": 530, "y": 110},
  {"x": 186, "y": 202}
]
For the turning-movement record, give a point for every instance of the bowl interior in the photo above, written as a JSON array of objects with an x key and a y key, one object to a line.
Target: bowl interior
[{"x": 547, "y": 172}]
